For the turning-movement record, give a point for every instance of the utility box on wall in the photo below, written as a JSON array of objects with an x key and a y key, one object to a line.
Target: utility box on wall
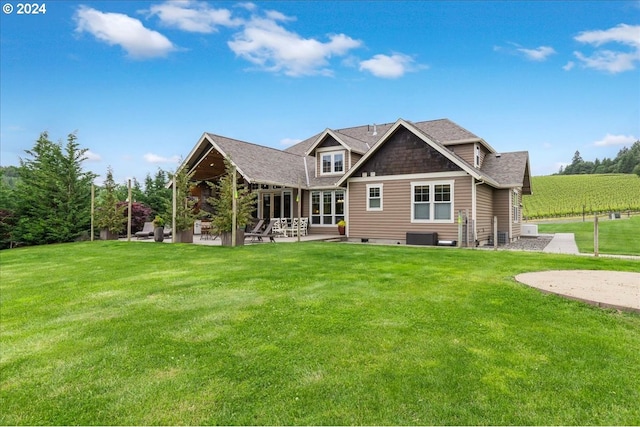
[
  {"x": 529, "y": 230},
  {"x": 422, "y": 238}
]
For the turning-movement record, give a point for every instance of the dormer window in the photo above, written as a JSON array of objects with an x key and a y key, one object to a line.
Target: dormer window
[
  {"x": 477, "y": 157},
  {"x": 332, "y": 162}
]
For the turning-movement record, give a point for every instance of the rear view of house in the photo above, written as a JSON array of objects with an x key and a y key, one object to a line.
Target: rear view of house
[{"x": 384, "y": 180}]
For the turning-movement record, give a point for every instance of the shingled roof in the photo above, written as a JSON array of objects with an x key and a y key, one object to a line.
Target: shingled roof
[
  {"x": 263, "y": 164},
  {"x": 508, "y": 169},
  {"x": 362, "y": 138},
  {"x": 293, "y": 167}
]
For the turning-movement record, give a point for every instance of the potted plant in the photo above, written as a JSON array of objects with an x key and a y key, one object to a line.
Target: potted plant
[
  {"x": 185, "y": 213},
  {"x": 222, "y": 203},
  {"x": 158, "y": 229},
  {"x": 109, "y": 213},
  {"x": 341, "y": 227}
]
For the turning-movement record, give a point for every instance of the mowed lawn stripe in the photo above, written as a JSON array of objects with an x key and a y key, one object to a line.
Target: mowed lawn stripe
[{"x": 317, "y": 333}]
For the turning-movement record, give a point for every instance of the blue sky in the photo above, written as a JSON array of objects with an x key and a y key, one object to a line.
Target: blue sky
[{"x": 141, "y": 81}]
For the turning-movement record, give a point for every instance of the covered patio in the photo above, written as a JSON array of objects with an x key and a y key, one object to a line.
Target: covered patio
[{"x": 279, "y": 193}]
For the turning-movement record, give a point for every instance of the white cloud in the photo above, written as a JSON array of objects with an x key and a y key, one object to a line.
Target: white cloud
[
  {"x": 247, "y": 5},
  {"x": 271, "y": 47},
  {"x": 538, "y": 54},
  {"x": 622, "y": 33},
  {"x": 389, "y": 67},
  {"x": 92, "y": 157},
  {"x": 612, "y": 61},
  {"x": 192, "y": 16},
  {"x": 119, "y": 29},
  {"x": 154, "y": 158},
  {"x": 288, "y": 142},
  {"x": 569, "y": 66},
  {"x": 609, "y": 140}
]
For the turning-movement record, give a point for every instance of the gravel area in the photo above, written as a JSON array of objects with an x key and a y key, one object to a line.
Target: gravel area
[{"x": 529, "y": 243}]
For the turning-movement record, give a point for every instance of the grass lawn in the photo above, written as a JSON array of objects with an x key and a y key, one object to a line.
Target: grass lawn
[
  {"x": 618, "y": 237},
  {"x": 314, "y": 333}
]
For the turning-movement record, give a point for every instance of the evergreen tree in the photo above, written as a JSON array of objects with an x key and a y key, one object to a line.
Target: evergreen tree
[
  {"x": 185, "y": 204},
  {"x": 627, "y": 161},
  {"x": 223, "y": 201},
  {"x": 7, "y": 212},
  {"x": 156, "y": 194},
  {"x": 137, "y": 195},
  {"x": 109, "y": 213},
  {"x": 53, "y": 193}
]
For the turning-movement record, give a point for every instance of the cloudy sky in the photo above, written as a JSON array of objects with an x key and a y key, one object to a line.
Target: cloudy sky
[{"x": 141, "y": 81}]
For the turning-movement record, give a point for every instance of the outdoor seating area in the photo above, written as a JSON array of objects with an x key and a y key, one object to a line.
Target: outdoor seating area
[
  {"x": 206, "y": 231},
  {"x": 289, "y": 227},
  {"x": 285, "y": 230}
]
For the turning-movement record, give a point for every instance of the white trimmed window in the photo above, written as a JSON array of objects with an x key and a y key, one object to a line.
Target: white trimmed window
[
  {"x": 432, "y": 202},
  {"x": 374, "y": 197},
  {"x": 515, "y": 205},
  {"x": 332, "y": 162},
  {"x": 327, "y": 207}
]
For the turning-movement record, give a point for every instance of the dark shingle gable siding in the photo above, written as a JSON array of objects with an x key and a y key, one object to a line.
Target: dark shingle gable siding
[{"x": 406, "y": 153}]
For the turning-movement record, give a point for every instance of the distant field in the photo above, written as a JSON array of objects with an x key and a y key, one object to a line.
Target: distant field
[{"x": 567, "y": 195}]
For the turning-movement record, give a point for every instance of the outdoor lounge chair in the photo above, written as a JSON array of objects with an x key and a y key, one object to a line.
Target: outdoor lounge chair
[
  {"x": 147, "y": 231},
  {"x": 267, "y": 232},
  {"x": 258, "y": 227}
]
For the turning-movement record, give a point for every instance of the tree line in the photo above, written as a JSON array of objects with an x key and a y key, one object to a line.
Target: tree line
[
  {"x": 47, "y": 198},
  {"x": 627, "y": 161}
]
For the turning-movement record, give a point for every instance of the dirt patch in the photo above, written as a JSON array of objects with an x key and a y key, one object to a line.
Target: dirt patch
[{"x": 611, "y": 289}]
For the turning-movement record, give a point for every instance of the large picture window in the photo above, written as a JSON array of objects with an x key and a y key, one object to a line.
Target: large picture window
[
  {"x": 432, "y": 202},
  {"x": 327, "y": 207},
  {"x": 332, "y": 162}
]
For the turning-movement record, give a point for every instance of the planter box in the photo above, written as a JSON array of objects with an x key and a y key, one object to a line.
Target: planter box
[
  {"x": 107, "y": 235},
  {"x": 225, "y": 237},
  {"x": 183, "y": 236}
]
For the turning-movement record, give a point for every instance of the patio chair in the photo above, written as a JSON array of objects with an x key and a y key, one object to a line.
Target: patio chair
[
  {"x": 267, "y": 232},
  {"x": 276, "y": 225},
  {"x": 258, "y": 227},
  {"x": 147, "y": 231},
  {"x": 304, "y": 224},
  {"x": 284, "y": 225},
  {"x": 294, "y": 227}
]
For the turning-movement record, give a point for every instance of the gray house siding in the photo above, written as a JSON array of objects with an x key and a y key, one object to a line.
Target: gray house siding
[
  {"x": 484, "y": 213},
  {"x": 394, "y": 220},
  {"x": 502, "y": 208},
  {"x": 464, "y": 151}
]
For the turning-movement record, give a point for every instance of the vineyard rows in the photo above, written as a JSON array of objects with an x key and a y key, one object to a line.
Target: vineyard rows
[{"x": 569, "y": 195}]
